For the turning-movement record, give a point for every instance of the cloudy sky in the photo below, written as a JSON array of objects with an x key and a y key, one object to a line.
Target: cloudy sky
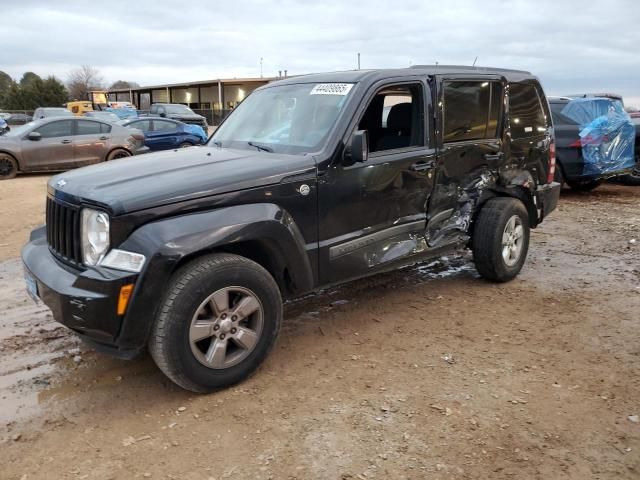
[{"x": 572, "y": 45}]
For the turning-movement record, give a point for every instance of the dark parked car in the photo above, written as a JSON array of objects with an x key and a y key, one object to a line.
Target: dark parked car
[
  {"x": 586, "y": 153},
  {"x": 48, "y": 112},
  {"x": 104, "y": 116},
  {"x": 190, "y": 252},
  {"x": 177, "y": 111},
  {"x": 55, "y": 144},
  {"x": 18, "y": 119},
  {"x": 165, "y": 134}
]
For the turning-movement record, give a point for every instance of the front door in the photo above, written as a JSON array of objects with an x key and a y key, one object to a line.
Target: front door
[
  {"x": 470, "y": 122},
  {"x": 54, "y": 149},
  {"x": 163, "y": 135},
  {"x": 373, "y": 213}
]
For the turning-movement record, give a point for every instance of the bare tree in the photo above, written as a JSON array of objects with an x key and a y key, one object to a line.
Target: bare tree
[
  {"x": 82, "y": 80},
  {"x": 123, "y": 84}
]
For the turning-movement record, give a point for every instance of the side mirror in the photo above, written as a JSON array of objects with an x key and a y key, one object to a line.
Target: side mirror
[
  {"x": 34, "y": 136},
  {"x": 358, "y": 150}
]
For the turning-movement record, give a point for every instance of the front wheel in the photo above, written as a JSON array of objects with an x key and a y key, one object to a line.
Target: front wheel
[
  {"x": 218, "y": 321},
  {"x": 501, "y": 239},
  {"x": 8, "y": 166}
]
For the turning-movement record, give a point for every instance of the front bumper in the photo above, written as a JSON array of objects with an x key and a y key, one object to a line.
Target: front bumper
[
  {"x": 547, "y": 197},
  {"x": 141, "y": 150},
  {"x": 83, "y": 300}
]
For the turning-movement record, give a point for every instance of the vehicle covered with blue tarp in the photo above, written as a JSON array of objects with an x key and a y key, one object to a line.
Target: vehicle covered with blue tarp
[{"x": 595, "y": 139}]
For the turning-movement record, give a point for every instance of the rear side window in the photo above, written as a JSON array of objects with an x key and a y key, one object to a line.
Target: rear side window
[
  {"x": 86, "y": 127},
  {"x": 471, "y": 110},
  {"x": 62, "y": 128},
  {"x": 526, "y": 117}
]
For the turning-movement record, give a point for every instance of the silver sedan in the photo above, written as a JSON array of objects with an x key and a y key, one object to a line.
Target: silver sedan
[{"x": 55, "y": 144}]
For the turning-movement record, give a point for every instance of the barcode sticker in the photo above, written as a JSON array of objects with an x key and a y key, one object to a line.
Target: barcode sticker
[{"x": 331, "y": 89}]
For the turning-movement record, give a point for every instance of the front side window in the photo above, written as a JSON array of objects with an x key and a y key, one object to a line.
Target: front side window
[
  {"x": 526, "y": 116},
  {"x": 144, "y": 125},
  {"x": 61, "y": 128},
  {"x": 395, "y": 118},
  {"x": 471, "y": 110},
  {"x": 291, "y": 119},
  {"x": 160, "y": 126}
]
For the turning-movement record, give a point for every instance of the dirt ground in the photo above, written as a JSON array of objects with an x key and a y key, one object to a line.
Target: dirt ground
[{"x": 424, "y": 373}]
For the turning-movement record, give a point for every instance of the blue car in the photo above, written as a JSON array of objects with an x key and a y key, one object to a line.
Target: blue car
[
  {"x": 4, "y": 128},
  {"x": 165, "y": 134}
]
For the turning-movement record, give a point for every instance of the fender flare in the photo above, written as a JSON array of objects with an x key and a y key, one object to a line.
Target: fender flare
[{"x": 169, "y": 243}]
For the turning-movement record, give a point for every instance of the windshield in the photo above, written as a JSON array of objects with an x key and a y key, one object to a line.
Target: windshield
[
  {"x": 178, "y": 109},
  {"x": 284, "y": 119}
]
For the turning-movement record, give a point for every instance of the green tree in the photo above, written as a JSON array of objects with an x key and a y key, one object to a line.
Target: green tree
[
  {"x": 123, "y": 84},
  {"x": 5, "y": 83},
  {"x": 29, "y": 78},
  {"x": 34, "y": 92}
]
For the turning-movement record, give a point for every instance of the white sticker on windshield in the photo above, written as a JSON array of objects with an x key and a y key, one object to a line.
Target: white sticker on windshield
[{"x": 331, "y": 89}]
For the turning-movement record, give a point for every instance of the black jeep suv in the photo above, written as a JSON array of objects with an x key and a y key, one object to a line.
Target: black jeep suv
[{"x": 311, "y": 181}]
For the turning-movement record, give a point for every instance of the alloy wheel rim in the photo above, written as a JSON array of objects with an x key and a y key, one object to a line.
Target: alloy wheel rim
[
  {"x": 226, "y": 327},
  {"x": 512, "y": 241}
]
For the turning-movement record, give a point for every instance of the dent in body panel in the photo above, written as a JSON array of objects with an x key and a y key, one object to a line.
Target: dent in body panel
[{"x": 454, "y": 227}]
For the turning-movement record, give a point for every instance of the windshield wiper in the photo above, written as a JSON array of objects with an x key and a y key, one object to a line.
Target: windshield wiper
[{"x": 262, "y": 148}]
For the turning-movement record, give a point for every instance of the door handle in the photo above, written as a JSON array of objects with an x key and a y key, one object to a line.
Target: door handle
[
  {"x": 66, "y": 141},
  {"x": 493, "y": 156},
  {"x": 421, "y": 166},
  {"x": 102, "y": 138}
]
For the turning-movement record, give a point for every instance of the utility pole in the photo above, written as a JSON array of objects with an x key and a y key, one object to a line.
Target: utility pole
[
  {"x": 358, "y": 60},
  {"x": 260, "y": 67}
]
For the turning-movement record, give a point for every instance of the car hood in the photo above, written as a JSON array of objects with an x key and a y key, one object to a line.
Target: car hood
[{"x": 155, "y": 179}]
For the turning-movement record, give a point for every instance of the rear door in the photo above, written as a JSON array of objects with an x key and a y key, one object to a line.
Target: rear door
[
  {"x": 54, "y": 150},
  {"x": 91, "y": 141},
  {"x": 470, "y": 124},
  {"x": 164, "y": 135}
]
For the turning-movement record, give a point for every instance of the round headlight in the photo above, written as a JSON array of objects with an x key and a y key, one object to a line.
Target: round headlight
[{"x": 95, "y": 236}]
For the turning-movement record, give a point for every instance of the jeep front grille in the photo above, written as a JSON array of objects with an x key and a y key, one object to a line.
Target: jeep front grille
[{"x": 63, "y": 231}]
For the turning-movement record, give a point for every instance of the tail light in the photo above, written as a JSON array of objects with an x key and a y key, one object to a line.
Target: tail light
[{"x": 552, "y": 161}]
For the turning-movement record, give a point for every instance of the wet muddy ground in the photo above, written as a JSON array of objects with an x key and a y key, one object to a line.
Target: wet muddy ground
[{"x": 427, "y": 372}]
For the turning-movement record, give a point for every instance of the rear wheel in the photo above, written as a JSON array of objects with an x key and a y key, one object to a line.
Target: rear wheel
[
  {"x": 218, "y": 322},
  {"x": 501, "y": 239},
  {"x": 185, "y": 145},
  {"x": 118, "y": 153},
  {"x": 8, "y": 166}
]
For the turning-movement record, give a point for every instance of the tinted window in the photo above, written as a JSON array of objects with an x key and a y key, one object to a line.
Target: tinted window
[
  {"x": 86, "y": 127},
  {"x": 558, "y": 117},
  {"x": 161, "y": 125},
  {"x": 144, "y": 125},
  {"x": 395, "y": 118},
  {"x": 62, "y": 128},
  {"x": 526, "y": 117},
  {"x": 471, "y": 110}
]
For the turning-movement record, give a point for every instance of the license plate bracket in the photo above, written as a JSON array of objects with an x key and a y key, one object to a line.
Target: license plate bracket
[{"x": 32, "y": 287}]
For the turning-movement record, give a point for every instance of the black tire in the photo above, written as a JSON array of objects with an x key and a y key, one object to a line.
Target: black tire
[
  {"x": 558, "y": 176},
  {"x": 8, "y": 166},
  {"x": 170, "y": 345},
  {"x": 118, "y": 153},
  {"x": 584, "y": 186},
  {"x": 487, "y": 241},
  {"x": 185, "y": 145}
]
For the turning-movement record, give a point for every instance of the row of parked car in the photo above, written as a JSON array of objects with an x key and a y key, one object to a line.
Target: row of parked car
[{"x": 56, "y": 139}]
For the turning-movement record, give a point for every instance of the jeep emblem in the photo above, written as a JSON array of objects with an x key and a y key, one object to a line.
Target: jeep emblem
[{"x": 304, "y": 189}]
